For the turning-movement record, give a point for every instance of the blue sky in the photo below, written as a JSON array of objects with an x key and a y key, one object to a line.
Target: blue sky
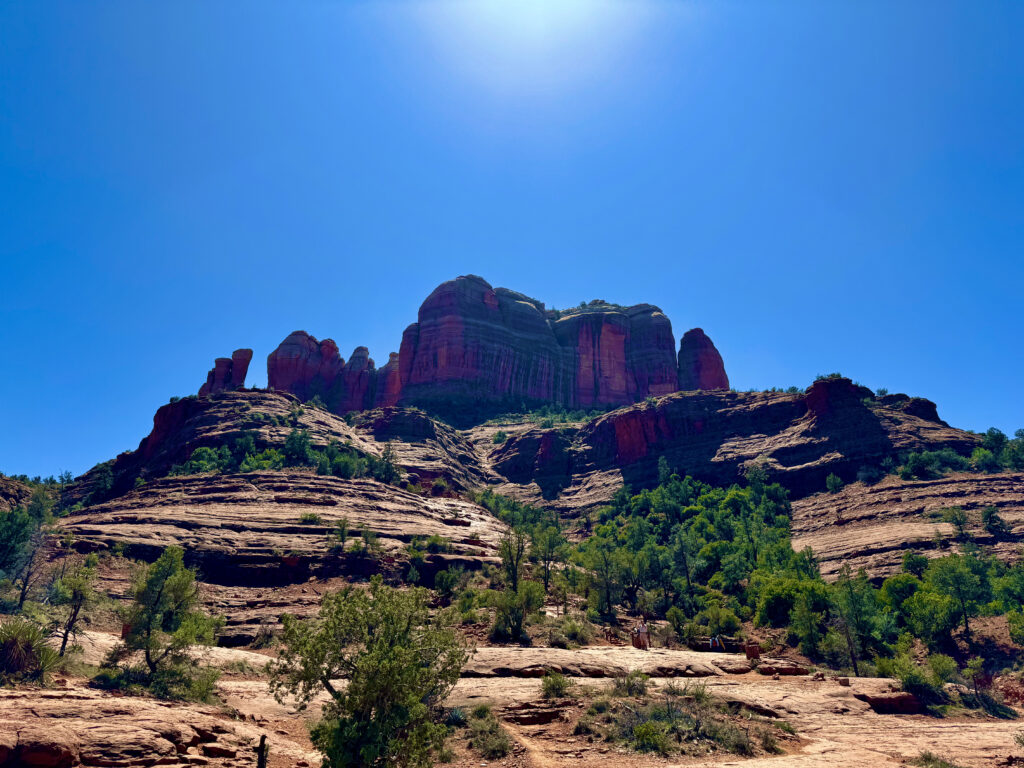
[{"x": 821, "y": 186}]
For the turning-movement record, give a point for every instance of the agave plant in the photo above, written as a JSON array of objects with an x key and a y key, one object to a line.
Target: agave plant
[{"x": 24, "y": 654}]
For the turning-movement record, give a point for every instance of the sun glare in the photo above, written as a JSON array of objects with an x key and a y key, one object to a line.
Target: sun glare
[{"x": 530, "y": 45}]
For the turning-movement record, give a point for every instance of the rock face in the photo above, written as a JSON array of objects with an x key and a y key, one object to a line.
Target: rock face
[
  {"x": 700, "y": 364},
  {"x": 308, "y": 368},
  {"x": 476, "y": 349},
  {"x": 227, "y": 373},
  {"x": 13, "y": 493},
  {"x": 715, "y": 436},
  {"x": 870, "y": 526}
]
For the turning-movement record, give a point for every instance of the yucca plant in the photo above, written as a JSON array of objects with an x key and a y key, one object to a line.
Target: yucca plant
[{"x": 24, "y": 654}]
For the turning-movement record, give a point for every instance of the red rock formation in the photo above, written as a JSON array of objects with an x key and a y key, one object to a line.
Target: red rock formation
[
  {"x": 476, "y": 348},
  {"x": 304, "y": 367},
  {"x": 359, "y": 382},
  {"x": 227, "y": 373},
  {"x": 496, "y": 345},
  {"x": 700, "y": 364},
  {"x": 715, "y": 436},
  {"x": 389, "y": 383}
]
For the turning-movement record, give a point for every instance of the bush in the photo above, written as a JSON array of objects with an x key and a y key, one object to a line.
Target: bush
[
  {"x": 24, "y": 655},
  {"x": 555, "y": 685},
  {"x": 1015, "y": 620},
  {"x": 310, "y": 518},
  {"x": 633, "y": 684},
  {"x": 834, "y": 483},
  {"x": 500, "y": 437},
  {"x": 869, "y": 475},
  {"x": 651, "y": 737},
  {"x": 487, "y": 736}
]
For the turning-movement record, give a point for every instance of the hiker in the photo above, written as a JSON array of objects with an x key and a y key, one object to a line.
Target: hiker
[{"x": 643, "y": 636}]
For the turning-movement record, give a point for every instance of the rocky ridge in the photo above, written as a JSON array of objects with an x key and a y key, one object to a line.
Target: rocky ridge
[{"x": 835, "y": 427}]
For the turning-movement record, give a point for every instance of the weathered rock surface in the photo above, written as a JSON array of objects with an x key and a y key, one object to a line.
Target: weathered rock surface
[
  {"x": 245, "y": 529},
  {"x": 700, "y": 364},
  {"x": 227, "y": 373},
  {"x": 607, "y": 661},
  {"x": 13, "y": 493},
  {"x": 84, "y": 727},
  {"x": 716, "y": 436},
  {"x": 870, "y": 526},
  {"x": 422, "y": 445}
]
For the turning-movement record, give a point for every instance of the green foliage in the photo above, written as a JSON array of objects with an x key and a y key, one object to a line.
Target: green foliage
[
  {"x": 400, "y": 663},
  {"x": 920, "y": 680},
  {"x": 632, "y": 684},
  {"x": 992, "y": 522},
  {"x": 957, "y": 518},
  {"x": 834, "y": 483},
  {"x": 929, "y": 465},
  {"x": 310, "y": 518},
  {"x": 499, "y": 437},
  {"x": 269, "y": 459},
  {"x": 163, "y": 622},
  {"x": 1015, "y": 620},
  {"x": 931, "y": 760},
  {"x": 73, "y": 593},
  {"x": 512, "y": 610},
  {"x": 16, "y": 530},
  {"x": 555, "y": 685},
  {"x": 487, "y": 736},
  {"x": 24, "y": 655},
  {"x": 914, "y": 563}
]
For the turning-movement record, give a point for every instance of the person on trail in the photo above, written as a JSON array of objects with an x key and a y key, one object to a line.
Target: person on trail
[{"x": 643, "y": 636}]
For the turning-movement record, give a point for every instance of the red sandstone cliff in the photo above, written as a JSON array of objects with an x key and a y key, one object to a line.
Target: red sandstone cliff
[{"x": 475, "y": 347}]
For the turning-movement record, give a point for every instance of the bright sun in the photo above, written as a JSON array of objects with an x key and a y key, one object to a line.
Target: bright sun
[{"x": 534, "y": 44}]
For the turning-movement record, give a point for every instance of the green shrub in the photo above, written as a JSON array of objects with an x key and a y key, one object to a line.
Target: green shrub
[
  {"x": 632, "y": 684},
  {"x": 487, "y": 736},
  {"x": 455, "y": 717},
  {"x": 24, "y": 655},
  {"x": 651, "y": 737},
  {"x": 310, "y": 518},
  {"x": 164, "y": 622},
  {"x": 834, "y": 483},
  {"x": 555, "y": 685},
  {"x": 1015, "y": 620},
  {"x": 500, "y": 437}
]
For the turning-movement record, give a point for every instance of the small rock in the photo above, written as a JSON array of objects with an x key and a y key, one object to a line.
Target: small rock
[{"x": 844, "y": 681}]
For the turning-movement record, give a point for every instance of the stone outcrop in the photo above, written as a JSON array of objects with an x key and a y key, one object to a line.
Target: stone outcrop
[
  {"x": 700, "y": 364},
  {"x": 476, "y": 349},
  {"x": 870, "y": 526},
  {"x": 307, "y": 368},
  {"x": 716, "y": 436},
  {"x": 227, "y": 373},
  {"x": 13, "y": 493}
]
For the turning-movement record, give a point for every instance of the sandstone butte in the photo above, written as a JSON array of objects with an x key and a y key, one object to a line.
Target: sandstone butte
[{"x": 495, "y": 349}]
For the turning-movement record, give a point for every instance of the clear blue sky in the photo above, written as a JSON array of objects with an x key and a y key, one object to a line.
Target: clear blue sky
[{"x": 822, "y": 186}]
